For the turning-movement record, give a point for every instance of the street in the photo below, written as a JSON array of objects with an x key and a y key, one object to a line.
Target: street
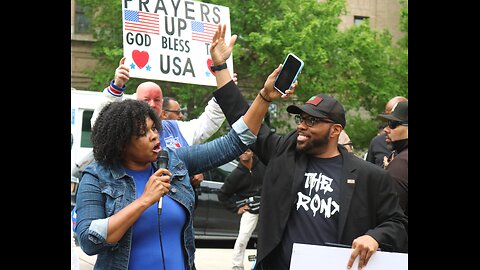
[{"x": 206, "y": 259}]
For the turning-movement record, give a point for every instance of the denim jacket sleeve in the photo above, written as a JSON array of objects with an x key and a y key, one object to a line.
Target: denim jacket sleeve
[
  {"x": 203, "y": 157},
  {"x": 92, "y": 221},
  {"x": 243, "y": 132}
]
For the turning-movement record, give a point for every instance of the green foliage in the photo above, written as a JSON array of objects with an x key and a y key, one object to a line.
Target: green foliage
[
  {"x": 359, "y": 66},
  {"x": 361, "y": 131},
  {"x": 403, "y": 42},
  {"x": 106, "y": 27},
  {"x": 366, "y": 74}
]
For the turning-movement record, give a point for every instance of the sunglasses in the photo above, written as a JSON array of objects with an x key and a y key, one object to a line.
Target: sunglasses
[
  {"x": 175, "y": 112},
  {"x": 394, "y": 124},
  {"x": 311, "y": 121}
]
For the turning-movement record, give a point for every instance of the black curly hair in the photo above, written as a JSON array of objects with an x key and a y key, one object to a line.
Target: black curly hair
[{"x": 115, "y": 126}]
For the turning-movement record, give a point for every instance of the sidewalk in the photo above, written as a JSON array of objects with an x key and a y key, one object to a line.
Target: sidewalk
[{"x": 206, "y": 259}]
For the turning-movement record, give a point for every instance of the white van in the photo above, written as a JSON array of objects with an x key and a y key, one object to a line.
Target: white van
[{"x": 82, "y": 105}]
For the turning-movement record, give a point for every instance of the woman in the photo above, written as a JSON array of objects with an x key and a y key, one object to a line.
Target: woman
[{"x": 117, "y": 214}]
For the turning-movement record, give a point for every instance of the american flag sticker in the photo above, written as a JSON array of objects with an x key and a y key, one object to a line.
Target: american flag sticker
[
  {"x": 203, "y": 31},
  {"x": 142, "y": 22}
]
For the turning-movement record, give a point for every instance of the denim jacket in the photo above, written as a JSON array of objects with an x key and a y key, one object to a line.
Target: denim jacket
[{"x": 105, "y": 191}]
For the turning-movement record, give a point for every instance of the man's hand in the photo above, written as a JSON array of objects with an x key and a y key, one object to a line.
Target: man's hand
[
  {"x": 269, "y": 91},
  {"x": 122, "y": 73},
  {"x": 364, "y": 247},
  {"x": 243, "y": 209},
  {"x": 196, "y": 179},
  {"x": 219, "y": 50}
]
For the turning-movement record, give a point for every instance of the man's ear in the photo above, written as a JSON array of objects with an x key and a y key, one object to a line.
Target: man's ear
[
  {"x": 335, "y": 130},
  {"x": 163, "y": 115}
]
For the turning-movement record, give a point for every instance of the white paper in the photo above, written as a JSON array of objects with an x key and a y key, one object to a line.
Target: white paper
[{"x": 314, "y": 257}]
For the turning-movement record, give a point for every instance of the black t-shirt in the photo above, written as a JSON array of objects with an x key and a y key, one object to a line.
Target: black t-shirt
[{"x": 314, "y": 217}]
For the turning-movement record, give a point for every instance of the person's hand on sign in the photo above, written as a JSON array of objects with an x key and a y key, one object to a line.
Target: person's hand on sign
[{"x": 122, "y": 73}]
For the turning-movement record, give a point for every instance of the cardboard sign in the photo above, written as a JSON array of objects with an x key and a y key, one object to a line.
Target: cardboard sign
[{"x": 170, "y": 40}]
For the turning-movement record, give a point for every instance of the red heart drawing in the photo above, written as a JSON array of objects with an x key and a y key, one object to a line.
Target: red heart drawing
[
  {"x": 140, "y": 58},
  {"x": 209, "y": 64}
]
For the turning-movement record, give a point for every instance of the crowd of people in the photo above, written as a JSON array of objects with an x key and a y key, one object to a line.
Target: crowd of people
[{"x": 133, "y": 214}]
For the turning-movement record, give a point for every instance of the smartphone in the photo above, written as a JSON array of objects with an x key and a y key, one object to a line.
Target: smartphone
[{"x": 288, "y": 74}]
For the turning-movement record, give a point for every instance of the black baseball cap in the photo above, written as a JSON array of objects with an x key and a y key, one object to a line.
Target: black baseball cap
[
  {"x": 322, "y": 106},
  {"x": 399, "y": 113}
]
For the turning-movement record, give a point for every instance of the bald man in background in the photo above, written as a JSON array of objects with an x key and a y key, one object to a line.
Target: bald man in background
[{"x": 379, "y": 147}]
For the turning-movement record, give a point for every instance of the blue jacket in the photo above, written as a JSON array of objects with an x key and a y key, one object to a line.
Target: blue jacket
[{"x": 105, "y": 191}]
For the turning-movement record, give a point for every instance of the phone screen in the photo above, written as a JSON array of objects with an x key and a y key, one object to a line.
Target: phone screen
[{"x": 290, "y": 70}]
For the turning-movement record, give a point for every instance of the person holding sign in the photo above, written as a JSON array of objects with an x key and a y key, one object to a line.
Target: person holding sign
[
  {"x": 176, "y": 133},
  {"x": 314, "y": 191}
]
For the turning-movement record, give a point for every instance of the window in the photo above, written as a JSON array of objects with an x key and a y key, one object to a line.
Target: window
[
  {"x": 82, "y": 22},
  {"x": 86, "y": 129},
  {"x": 359, "y": 19},
  {"x": 221, "y": 172}
]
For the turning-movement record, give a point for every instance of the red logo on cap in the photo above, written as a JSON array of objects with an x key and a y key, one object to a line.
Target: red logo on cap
[{"x": 314, "y": 100}]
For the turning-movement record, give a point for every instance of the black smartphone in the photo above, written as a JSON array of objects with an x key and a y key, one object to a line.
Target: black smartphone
[{"x": 290, "y": 70}]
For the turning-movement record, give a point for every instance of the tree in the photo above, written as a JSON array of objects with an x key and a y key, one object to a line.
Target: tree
[{"x": 359, "y": 66}]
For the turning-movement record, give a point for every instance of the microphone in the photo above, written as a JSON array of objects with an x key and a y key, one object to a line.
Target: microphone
[{"x": 162, "y": 162}]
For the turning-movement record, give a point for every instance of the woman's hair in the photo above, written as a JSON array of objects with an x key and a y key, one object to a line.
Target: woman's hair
[{"x": 116, "y": 124}]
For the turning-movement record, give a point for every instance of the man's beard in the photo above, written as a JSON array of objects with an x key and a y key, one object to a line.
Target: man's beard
[{"x": 313, "y": 143}]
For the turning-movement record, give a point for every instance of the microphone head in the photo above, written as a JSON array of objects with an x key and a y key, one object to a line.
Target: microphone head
[{"x": 162, "y": 160}]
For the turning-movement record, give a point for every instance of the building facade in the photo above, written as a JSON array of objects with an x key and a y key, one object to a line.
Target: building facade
[
  {"x": 383, "y": 14},
  {"x": 81, "y": 47}
]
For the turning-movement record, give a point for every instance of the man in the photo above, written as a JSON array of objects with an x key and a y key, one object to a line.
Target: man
[
  {"x": 379, "y": 147},
  {"x": 397, "y": 164},
  {"x": 240, "y": 193},
  {"x": 171, "y": 109},
  {"x": 344, "y": 139},
  {"x": 313, "y": 191}
]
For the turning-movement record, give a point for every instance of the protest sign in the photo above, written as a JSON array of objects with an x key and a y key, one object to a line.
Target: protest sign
[{"x": 170, "y": 40}]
